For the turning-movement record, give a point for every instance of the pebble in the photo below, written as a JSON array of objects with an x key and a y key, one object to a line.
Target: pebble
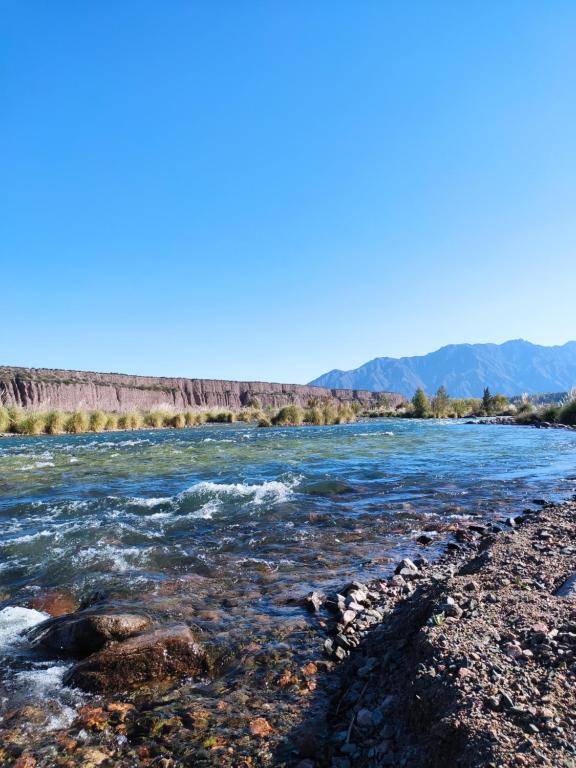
[
  {"x": 315, "y": 600},
  {"x": 364, "y": 718},
  {"x": 407, "y": 567}
]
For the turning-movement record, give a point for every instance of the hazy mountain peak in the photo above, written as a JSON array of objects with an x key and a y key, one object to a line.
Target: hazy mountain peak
[{"x": 513, "y": 367}]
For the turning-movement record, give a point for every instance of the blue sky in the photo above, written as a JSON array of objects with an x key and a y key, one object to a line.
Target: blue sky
[{"x": 274, "y": 189}]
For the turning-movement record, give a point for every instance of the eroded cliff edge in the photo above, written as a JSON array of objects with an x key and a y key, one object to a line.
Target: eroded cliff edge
[{"x": 43, "y": 388}]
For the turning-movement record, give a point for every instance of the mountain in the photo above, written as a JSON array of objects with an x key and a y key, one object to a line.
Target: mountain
[{"x": 465, "y": 369}]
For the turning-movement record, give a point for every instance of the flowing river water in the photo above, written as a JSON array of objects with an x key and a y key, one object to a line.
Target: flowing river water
[{"x": 225, "y": 527}]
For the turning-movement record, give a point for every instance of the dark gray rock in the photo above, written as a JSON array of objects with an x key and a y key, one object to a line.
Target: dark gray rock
[{"x": 79, "y": 634}]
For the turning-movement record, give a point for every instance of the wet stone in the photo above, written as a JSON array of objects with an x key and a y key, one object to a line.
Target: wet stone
[
  {"x": 79, "y": 634},
  {"x": 163, "y": 654}
]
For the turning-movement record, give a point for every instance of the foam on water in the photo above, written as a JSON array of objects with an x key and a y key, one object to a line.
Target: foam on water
[
  {"x": 271, "y": 491},
  {"x": 37, "y": 465},
  {"x": 14, "y": 619},
  {"x": 268, "y": 492},
  {"x": 39, "y": 680},
  {"x": 120, "y": 558},
  {"x": 139, "y": 501}
]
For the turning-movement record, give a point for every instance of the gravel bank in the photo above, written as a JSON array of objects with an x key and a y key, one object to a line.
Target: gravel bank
[{"x": 474, "y": 663}]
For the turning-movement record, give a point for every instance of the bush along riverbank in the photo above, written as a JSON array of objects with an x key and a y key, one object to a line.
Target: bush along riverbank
[
  {"x": 442, "y": 406},
  {"x": 467, "y": 661},
  {"x": 559, "y": 416},
  {"x": 563, "y": 413},
  {"x": 19, "y": 421}
]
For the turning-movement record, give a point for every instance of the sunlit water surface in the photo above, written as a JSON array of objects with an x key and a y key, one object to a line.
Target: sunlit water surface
[{"x": 221, "y": 525}]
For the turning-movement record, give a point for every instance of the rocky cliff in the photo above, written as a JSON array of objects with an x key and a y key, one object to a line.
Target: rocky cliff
[{"x": 43, "y": 388}]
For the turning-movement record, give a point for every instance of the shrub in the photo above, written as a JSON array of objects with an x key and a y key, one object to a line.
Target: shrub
[
  {"x": 290, "y": 415},
  {"x": 111, "y": 422},
  {"x": 55, "y": 422},
  {"x": 224, "y": 417},
  {"x": 130, "y": 420},
  {"x": 345, "y": 414},
  {"x": 31, "y": 424},
  {"x": 154, "y": 419},
  {"x": 499, "y": 403},
  {"x": 97, "y": 421},
  {"x": 15, "y": 416},
  {"x": 314, "y": 416},
  {"x": 329, "y": 412},
  {"x": 568, "y": 413},
  {"x": 4, "y": 420},
  {"x": 190, "y": 418},
  {"x": 77, "y": 423},
  {"x": 551, "y": 413},
  {"x": 264, "y": 421},
  {"x": 178, "y": 421}
]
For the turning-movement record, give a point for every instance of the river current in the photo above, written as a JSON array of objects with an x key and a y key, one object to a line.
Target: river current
[{"x": 225, "y": 527}]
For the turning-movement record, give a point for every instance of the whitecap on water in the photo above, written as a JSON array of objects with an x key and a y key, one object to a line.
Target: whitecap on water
[
  {"x": 37, "y": 465},
  {"x": 140, "y": 501},
  {"x": 39, "y": 680},
  {"x": 15, "y": 619},
  {"x": 271, "y": 491},
  {"x": 121, "y": 559},
  {"x": 268, "y": 492}
]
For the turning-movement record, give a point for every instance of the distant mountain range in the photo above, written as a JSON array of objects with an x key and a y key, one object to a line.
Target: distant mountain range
[{"x": 465, "y": 369}]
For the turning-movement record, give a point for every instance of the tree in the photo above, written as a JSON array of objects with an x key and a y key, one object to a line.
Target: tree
[
  {"x": 487, "y": 402},
  {"x": 499, "y": 403},
  {"x": 440, "y": 402},
  {"x": 420, "y": 404}
]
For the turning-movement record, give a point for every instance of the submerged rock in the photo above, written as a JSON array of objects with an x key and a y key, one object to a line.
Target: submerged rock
[
  {"x": 55, "y": 603},
  {"x": 79, "y": 634},
  {"x": 153, "y": 657}
]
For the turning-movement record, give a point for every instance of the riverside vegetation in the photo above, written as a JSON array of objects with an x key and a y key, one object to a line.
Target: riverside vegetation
[
  {"x": 26, "y": 422},
  {"x": 319, "y": 412},
  {"x": 563, "y": 412},
  {"x": 442, "y": 406}
]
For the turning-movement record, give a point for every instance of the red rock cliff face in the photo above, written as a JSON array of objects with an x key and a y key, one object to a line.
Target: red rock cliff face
[{"x": 43, "y": 388}]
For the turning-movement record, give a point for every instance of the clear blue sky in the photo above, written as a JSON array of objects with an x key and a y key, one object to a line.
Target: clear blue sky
[{"x": 274, "y": 189}]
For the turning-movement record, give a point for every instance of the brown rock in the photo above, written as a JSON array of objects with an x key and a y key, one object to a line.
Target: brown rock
[
  {"x": 153, "y": 657},
  {"x": 55, "y": 603},
  {"x": 260, "y": 727},
  {"x": 93, "y": 757},
  {"x": 25, "y": 761},
  {"x": 94, "y": 718}
]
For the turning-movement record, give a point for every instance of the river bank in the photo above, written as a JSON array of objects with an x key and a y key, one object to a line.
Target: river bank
[{"x": 476, "y": 667}]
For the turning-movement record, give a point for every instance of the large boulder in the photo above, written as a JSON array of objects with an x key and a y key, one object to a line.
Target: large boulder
[
  {"x": 82, "y": 633},
  {"x": 156, "y": 656}
]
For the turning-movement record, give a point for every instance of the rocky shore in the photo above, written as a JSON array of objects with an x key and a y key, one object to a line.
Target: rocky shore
[
  {"x": 468, "y": 660},
  {"x": 475, "y": 661}
]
